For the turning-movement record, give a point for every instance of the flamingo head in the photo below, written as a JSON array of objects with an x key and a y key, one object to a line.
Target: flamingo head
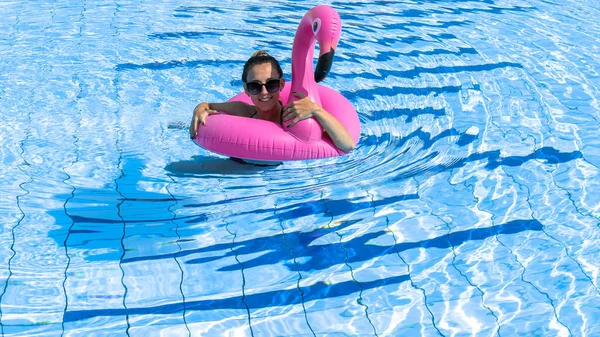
[{"x": 326, "y": 26}]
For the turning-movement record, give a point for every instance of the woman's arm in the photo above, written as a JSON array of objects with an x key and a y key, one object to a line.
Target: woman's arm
[
  {"x": 204, "y": 109},
  {"x": 234, "y": 108},
  {"x": 305, "y": 108},
  {"x": 336, "y": 131}
]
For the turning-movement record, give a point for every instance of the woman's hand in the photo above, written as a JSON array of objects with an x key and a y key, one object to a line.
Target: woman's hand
[
  {"x": 201, "y": 111},
  {"x": 298, "y": 110},
  {"x": 304, "y": 108}
]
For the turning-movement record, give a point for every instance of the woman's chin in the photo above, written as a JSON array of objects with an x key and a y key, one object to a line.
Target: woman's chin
[{"x": 266, "y": 105}]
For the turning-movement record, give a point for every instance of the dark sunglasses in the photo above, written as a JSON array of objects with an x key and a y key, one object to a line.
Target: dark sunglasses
[{"x": 255, "y": 88}]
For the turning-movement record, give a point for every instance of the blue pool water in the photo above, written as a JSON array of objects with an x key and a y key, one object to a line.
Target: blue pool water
[{"x": 470, "y": 207}]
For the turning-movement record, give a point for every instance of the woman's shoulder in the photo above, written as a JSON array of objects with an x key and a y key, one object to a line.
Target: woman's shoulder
[
  {"x": 253, "y": 111},
  {"x": 249, "y": 110}
]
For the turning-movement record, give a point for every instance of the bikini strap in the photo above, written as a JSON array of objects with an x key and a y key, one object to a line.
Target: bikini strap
[{"x": 281, "y": 114}]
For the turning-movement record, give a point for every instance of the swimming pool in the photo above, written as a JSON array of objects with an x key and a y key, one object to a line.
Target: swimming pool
[{"x": 470, "y": 206}]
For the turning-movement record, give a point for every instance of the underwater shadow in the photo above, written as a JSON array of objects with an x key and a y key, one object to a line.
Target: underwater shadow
[
  {"x": 388, "y": 56},
  {"x": 418, "y": 71},
  {"x": 176, "y": 64},
  {"x": 319, "y": 258},
  {"x": 333, "y": 207},
  {"x": 323, "y": 256},
  {"x": 548, "y": 155},
  {"x": 202, "y": 165},
  {"x": 268, "y": 299}
]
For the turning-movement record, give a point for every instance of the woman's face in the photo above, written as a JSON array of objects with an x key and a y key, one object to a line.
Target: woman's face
[{"x": 264, "y": 100}]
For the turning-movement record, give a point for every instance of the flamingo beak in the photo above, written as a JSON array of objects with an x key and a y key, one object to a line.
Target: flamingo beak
[{"x": 324, "y": 64}]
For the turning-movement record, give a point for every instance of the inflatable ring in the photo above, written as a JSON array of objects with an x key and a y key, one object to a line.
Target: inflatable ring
[{"x": 256, "y": 139}]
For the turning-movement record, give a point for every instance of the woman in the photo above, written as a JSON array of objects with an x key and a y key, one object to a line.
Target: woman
[{"x": 263, "y": 81}]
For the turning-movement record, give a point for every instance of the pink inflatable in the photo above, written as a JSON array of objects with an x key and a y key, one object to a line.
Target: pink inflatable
[{"x": 256, "y": 139}]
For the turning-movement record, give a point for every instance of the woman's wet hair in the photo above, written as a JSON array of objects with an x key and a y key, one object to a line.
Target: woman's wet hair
[{"x": 260, "y": 57}]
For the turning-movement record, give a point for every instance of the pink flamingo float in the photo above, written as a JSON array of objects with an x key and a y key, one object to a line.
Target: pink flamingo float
[{"x": 264, "y": 140}]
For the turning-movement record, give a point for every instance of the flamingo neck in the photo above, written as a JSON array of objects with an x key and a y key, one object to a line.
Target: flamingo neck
[{"x": 303, "y": 78}]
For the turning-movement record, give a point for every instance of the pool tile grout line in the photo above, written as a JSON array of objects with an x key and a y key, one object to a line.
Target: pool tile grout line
[
  {"x": 360, "y": 299},
  {"x": 452, "y": 247},
  {"x": 412, "y": 283},
  {"x": 30, "y": 180},
  {"x": 66, "y": 181},
  {"x": 295, "y": 266},
  {"x": 236, "y": 256}
]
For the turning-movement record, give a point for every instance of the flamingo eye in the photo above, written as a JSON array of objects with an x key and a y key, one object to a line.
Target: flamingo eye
[{"x": 316, "y": 25}]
